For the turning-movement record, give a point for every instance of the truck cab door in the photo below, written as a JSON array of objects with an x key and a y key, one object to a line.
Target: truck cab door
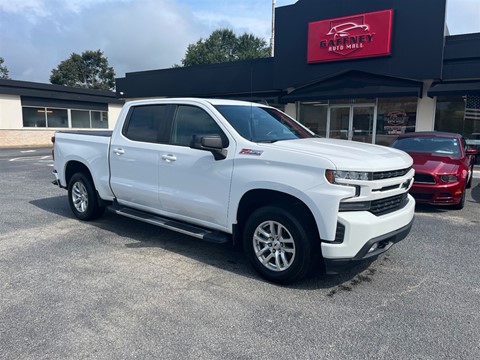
[
  {"x": 135, "y": 156},
  {"x": 194, "y": 185}
]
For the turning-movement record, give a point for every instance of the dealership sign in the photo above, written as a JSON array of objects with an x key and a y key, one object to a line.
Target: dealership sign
[{"x": 352, "y": 37}]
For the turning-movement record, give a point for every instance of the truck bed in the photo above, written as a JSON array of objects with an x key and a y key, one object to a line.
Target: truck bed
[
  {"x": 105, "y": 133},
  {"x": 87, "y": 147}
]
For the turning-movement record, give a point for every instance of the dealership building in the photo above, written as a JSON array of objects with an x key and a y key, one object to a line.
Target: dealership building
[
  {"x": 30, "y": 113},
  {"x": 356, "y": 70}
]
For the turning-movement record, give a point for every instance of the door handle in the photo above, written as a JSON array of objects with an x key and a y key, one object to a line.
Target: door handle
[
  {"x": 169, "y": 158},
  {"x": 119, "y": 151}
]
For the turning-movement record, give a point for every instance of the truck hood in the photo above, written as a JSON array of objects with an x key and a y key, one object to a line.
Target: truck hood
[{"x": 349, "y": 155}]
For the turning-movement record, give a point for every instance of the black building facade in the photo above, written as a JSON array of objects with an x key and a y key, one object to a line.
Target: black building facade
[{"x": 364, "y": 71}]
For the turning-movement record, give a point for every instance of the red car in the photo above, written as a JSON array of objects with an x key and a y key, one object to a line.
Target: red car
[{"x": 443, "y": 165}]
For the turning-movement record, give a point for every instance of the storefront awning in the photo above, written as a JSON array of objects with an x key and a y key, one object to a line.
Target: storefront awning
[
  {"x": 355, "y": 84},
  {"x": 455, "y": 88}
]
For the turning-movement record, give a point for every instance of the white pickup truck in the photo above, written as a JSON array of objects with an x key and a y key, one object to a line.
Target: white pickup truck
[{"x": 231, "y": 171}]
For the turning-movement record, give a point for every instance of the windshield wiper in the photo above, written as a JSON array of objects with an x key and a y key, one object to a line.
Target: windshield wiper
[{"x": 267, "y": 141}]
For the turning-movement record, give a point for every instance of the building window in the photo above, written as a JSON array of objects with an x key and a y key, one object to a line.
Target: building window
[
  {"x": 354, "y": 119},
  {"x": 459, "y": 114},
  {"x": 80, "y": 118},
  {"x": 99, "y": 119},
  {"x": 64, "y": 118},
  {"x": 45, "y": 117},
  {"x": 395, "y": 116},
  {"x": 314, "y": 116},
  {"x": 34, "y": 117},
  {"x": 57, "y": 118}
]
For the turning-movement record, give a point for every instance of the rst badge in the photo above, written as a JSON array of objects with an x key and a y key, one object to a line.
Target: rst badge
[
  {"x": 251, "y": 152},
  {"x": 358, "y": 36}
]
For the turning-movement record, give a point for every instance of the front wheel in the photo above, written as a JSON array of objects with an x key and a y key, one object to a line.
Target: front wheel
[
  {"x": 82, "y": 198},
  {"x": 278, "y": 244}
]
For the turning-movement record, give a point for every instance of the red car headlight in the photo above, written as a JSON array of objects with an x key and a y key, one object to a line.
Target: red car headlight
[{"x": 448, "y": 178}]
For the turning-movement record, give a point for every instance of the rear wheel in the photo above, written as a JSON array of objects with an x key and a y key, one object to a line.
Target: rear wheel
[
  {"x": 278, "y": 244},
  {"x": 82, "y": 198}
]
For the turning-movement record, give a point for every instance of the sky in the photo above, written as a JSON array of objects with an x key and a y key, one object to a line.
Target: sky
[{"x": 139, "y": 35}]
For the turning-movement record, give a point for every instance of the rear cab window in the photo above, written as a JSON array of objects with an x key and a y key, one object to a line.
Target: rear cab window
[{"x": 148, "y": 123}]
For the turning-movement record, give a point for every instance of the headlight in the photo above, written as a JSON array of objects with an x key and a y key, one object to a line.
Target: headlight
[
  {"x": 448, "y": 178},
  {"x": 334, "y": 175},
  {"x": 340, "y": 177}
]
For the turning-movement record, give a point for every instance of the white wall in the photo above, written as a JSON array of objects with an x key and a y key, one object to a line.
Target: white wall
[
  {"x": 426, "y": 110},
  {"x": 291, "y": 110},
  {"x": 113, "y": 113},
  {"x": 10, "y": 112}
]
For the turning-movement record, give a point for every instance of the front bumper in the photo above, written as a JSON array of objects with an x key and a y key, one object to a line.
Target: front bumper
[
  {"x": 435, "y": 194},
  {"x": 362, "y": 231},
  {"x": 383, "y": 243}
]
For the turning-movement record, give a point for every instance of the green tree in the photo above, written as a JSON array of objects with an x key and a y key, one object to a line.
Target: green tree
[
  {"x": 89, "y": 70},
  {"x": 3, "y": 70},
  {"x": 224, "y": 46}
]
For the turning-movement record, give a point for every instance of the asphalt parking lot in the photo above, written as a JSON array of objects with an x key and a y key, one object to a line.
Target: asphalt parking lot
[{"x": 119, "y": 289}]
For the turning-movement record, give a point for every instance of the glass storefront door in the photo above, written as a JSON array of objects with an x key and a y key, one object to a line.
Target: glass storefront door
[
  {"x": 352, "y": 122},
  {"x": 339, "y": 122}
]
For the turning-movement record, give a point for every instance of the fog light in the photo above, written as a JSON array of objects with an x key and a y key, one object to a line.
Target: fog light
[
  {"x": 355, "y": 206},
  {"x": 373, "y": 248}
]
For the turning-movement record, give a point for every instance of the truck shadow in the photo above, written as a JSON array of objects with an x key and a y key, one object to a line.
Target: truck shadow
[
  {"x": 57, "y": 205},
  {"x": 476, "y": 192},
  {"x": 222, "y": 256}
]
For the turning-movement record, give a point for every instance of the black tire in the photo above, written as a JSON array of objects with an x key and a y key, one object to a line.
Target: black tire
[
  {"x": 82, "y": 198},
  {"x": 279, "y": 245}
]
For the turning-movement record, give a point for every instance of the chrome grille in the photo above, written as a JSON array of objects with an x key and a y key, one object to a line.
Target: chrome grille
[
  {"x": 390, "y": 174},
  {"x": 388, "y": 205}
]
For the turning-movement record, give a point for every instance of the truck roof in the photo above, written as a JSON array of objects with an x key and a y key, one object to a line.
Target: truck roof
[{"x": 192, "y": 99}]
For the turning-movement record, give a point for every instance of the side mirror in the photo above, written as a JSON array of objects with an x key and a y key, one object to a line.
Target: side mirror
[
  {"x": 471, "y": 151},
  {"x": 213, "y": 143}
]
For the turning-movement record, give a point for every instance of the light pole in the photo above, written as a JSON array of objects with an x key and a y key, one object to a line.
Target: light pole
[{"x": 272, "y": 40}]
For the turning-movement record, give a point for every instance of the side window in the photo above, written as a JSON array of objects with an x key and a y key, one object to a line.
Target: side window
[
  {"x": 190, "y": 121},
  {"x": 148, "y": 123}
]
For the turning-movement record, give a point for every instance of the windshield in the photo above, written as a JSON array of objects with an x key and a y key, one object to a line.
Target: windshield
[
  {"x": 429, "y": 144},
  {"x": 261, "y": 124}
]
